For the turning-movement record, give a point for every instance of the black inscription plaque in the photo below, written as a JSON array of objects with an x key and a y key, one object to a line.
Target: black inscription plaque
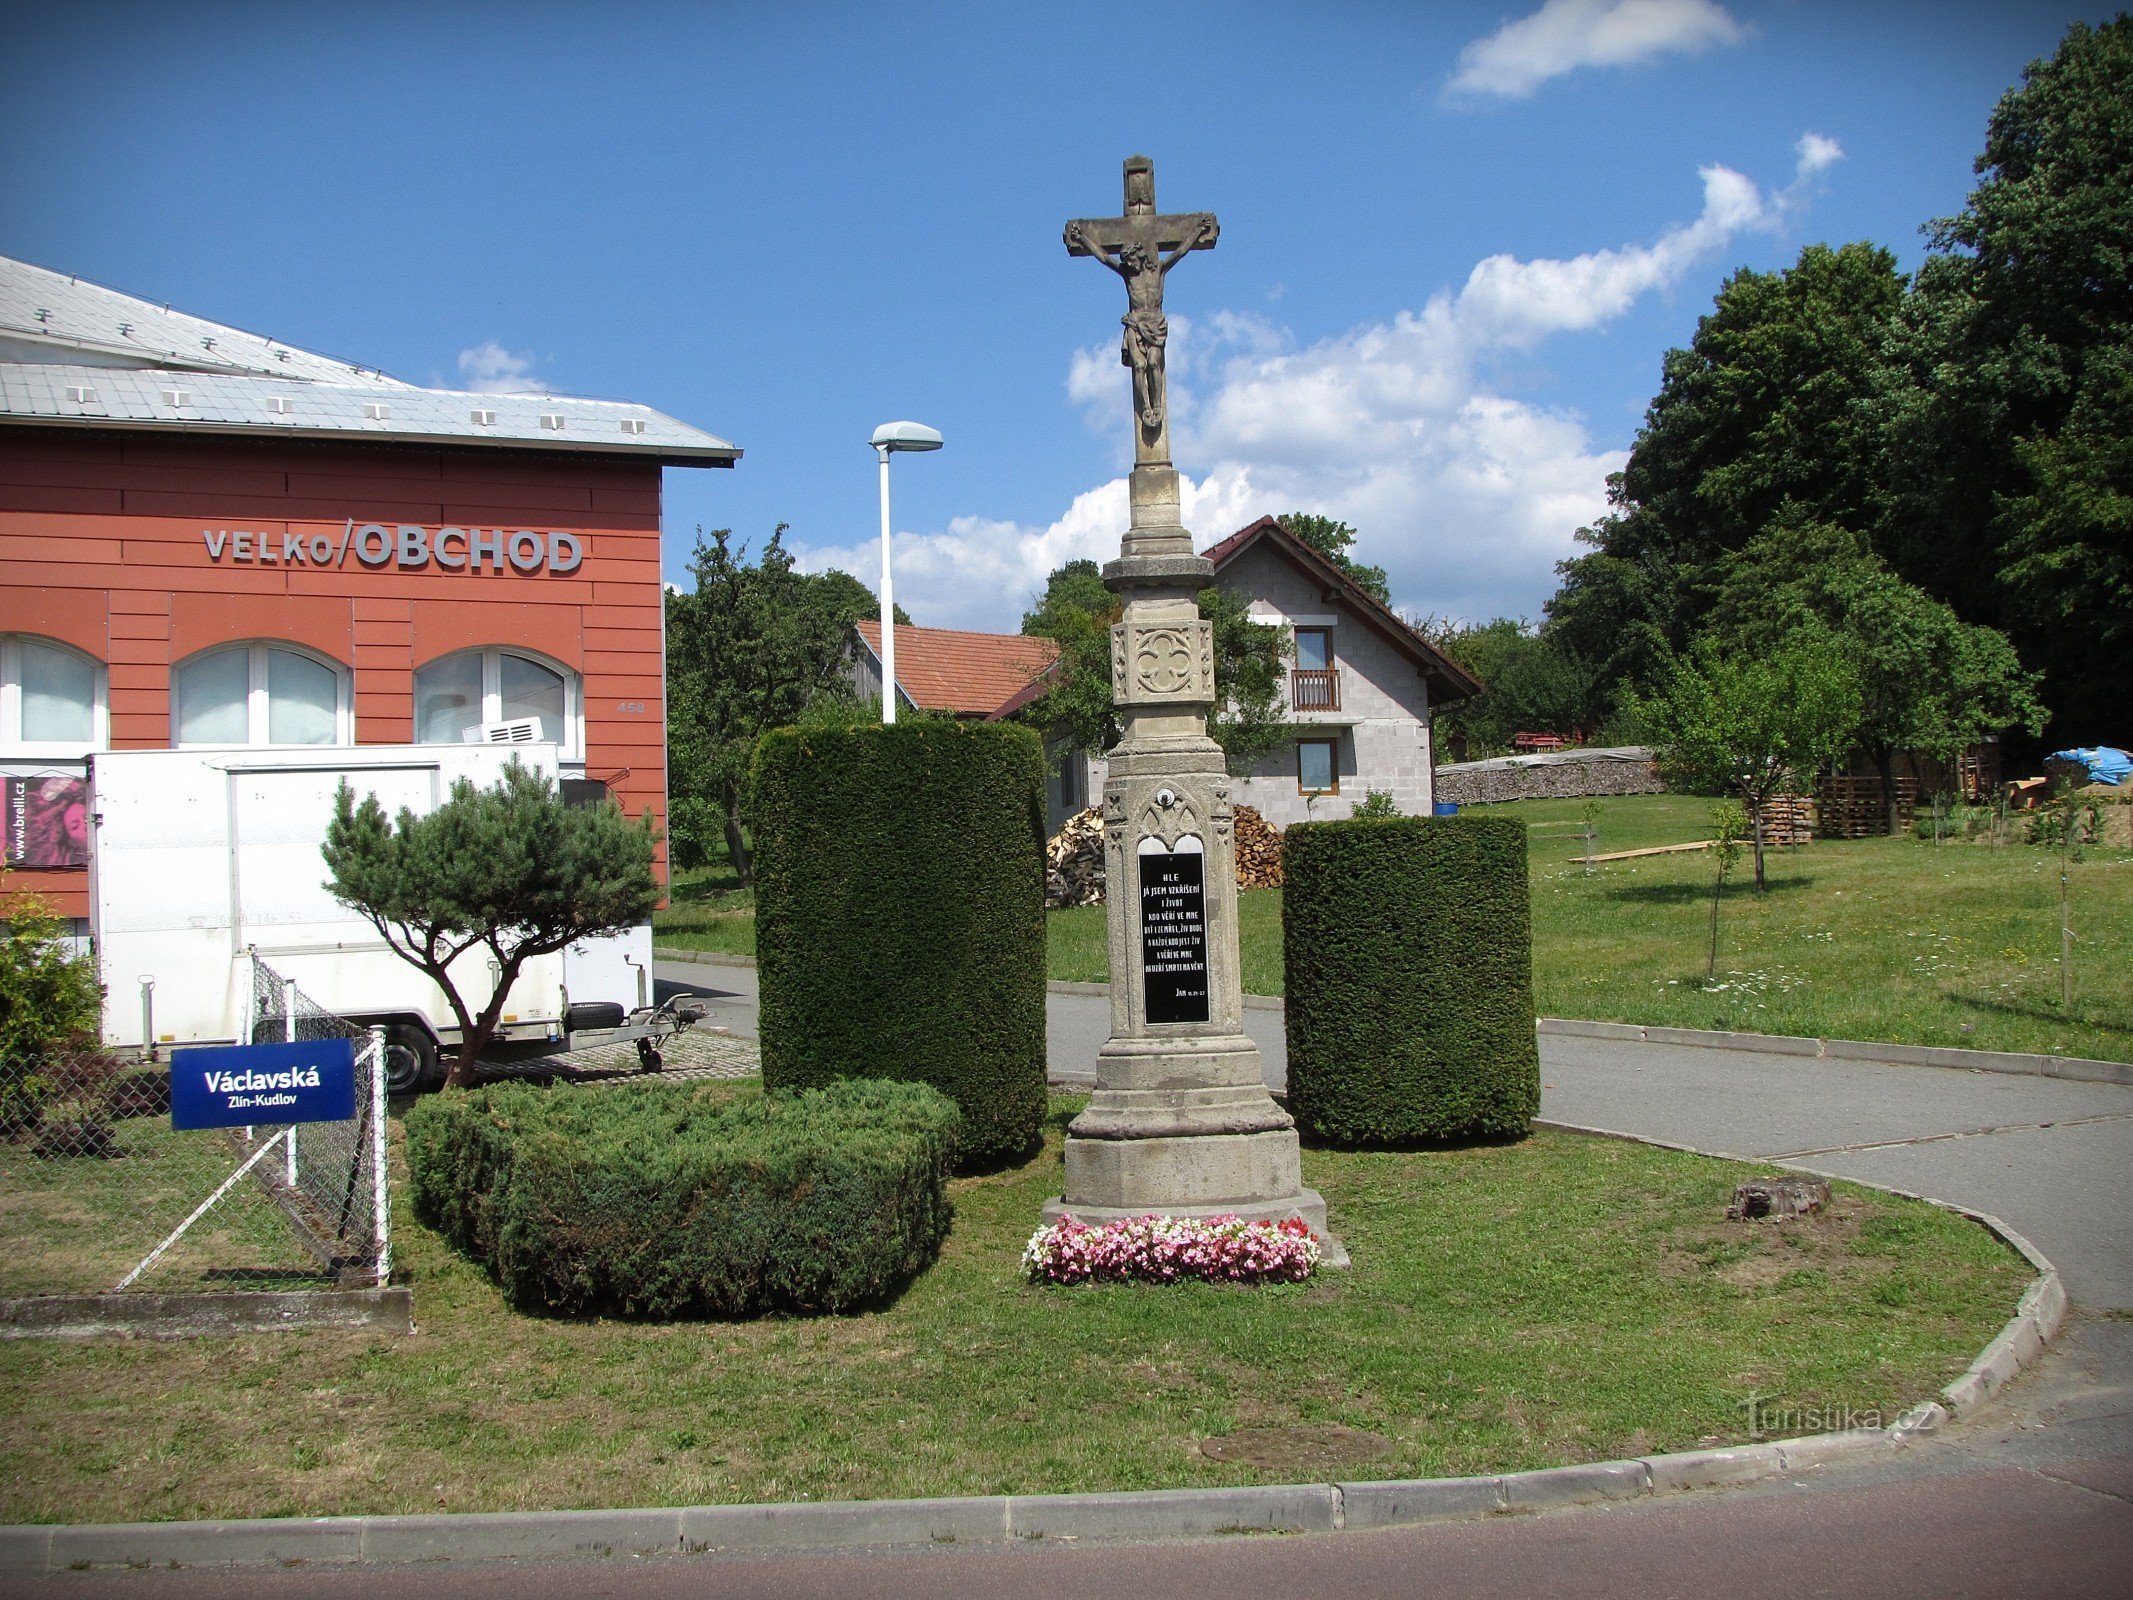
[{"x": 1174, "y": 936}]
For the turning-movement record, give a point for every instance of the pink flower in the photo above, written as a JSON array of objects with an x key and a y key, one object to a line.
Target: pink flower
[{"x": 1161, "y": 1249}]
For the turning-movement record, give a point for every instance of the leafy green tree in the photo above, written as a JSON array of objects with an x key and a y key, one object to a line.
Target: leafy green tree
[
  {"x": 1331, "y": 539},
  {"x": 1764, "y": 409},
  {"x": 1928, "y": 681},
  {"x": 1076, "y": 612},
  {"x": 1728, "y": 825},
  {"x": 749, "y": 648},
  {"x": 1249, "y": 716},
  {"x": 1075, "y": 589},
  {"x": 2004, "y": 413},
  {"x": 512, "y": 869},
  {"x": 1530, "y": 681},
  {"x": 50, "y": 1009},
  {"x": 49, "y": 996},
  {"x": 1755, "y": 723}
]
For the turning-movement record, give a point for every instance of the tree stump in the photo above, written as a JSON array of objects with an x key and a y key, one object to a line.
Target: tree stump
[{"x": 1761, "y": 1199}]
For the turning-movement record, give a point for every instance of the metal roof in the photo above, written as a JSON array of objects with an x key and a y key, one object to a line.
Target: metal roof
[{"x": 72, "y": 352}]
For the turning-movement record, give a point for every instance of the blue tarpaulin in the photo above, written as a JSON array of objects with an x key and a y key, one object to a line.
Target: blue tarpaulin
[{"x": 2106, "y": 764}]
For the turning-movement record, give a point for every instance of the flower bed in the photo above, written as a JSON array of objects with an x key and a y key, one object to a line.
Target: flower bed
[{"x": 1156, "y": 1249}]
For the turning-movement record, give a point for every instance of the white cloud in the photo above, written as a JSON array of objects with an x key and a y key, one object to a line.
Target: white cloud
[
  {"x": 1567, "y": 34},
  {"x": 488, "y": 368},
  {"x": 1466, "y": 495}
]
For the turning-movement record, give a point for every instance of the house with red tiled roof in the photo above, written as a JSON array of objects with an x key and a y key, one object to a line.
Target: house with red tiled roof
[
  {"x": 1362, "y": 684},
  {"x": 946, "y": 669}
]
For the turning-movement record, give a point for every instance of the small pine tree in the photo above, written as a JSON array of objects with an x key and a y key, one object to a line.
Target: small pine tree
[{"x": 513, "y": 868}]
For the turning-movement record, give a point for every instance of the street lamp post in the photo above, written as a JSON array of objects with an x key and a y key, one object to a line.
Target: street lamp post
[{"x": 888, "y": 438}]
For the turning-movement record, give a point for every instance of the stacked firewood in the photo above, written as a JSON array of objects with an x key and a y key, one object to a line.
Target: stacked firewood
[
  {"x": 1074, "y": 862},
  {"x": 1258, "y": 851},
  {"x": 1074, "y": 857}
]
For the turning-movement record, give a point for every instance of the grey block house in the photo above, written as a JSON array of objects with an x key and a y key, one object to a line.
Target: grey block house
[{"x": 1361, "y": 688}]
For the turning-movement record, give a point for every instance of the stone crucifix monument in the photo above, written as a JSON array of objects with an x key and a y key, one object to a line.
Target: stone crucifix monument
[{"x": 1181, "y": 1122}]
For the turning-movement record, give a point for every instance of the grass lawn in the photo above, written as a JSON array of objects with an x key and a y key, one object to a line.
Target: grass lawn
[
  {"x": 1562, "y": 1299},
  {"x": 707, "y": 909},
  {"x": 1885, "y": 939},
  {"x": 77, "y": 1226}
]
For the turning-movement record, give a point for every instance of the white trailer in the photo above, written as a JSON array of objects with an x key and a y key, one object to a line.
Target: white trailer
[{"x": 204, "y": 858}]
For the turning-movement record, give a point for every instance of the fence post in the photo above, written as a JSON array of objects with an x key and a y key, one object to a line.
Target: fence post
[
  {"x": 251, "y": 1009},
  {"x": 382, "y": 1210},
  {"x": 288, "y": 1034},
  {"x": 251, "y": 1005}
]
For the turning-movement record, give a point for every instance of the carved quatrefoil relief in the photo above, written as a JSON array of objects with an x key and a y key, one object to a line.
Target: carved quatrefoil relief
[{"x": 1163, "y": 663}]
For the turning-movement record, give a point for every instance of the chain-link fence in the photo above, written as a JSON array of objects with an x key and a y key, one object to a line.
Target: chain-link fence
[{"x": 99, "y": 1191}]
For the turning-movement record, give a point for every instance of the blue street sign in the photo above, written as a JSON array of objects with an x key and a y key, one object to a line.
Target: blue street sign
[{"x": 233, "y": 1085}]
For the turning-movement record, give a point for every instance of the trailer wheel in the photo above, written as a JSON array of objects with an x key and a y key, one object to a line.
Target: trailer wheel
[{"x": 411, "y": 1064}]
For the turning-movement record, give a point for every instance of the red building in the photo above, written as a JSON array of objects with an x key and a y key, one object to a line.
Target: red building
[{"x": 212, "y": 538}]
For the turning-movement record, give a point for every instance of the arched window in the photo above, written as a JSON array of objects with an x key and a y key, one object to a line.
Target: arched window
[
  {"x": 456, "y": 695},
  {"x": 262, "y": 693},
  {"x": 51, "y": 697}
]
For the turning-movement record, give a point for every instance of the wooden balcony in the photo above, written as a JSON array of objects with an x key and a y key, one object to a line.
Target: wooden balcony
[{"x": 1316, "y": 689}]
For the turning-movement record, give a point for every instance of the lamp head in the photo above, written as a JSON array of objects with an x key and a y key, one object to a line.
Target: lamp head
[{"x": 906, "y": 436}]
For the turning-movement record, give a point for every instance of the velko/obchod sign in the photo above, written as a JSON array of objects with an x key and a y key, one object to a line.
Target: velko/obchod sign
[{"x": 235, "y": 1085}]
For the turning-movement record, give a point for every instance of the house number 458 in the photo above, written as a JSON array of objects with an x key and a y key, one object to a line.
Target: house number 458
[{"x": 631, "y": 708}]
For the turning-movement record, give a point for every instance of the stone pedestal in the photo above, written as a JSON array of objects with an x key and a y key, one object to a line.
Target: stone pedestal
[{"x": 1181, "y": 1122}]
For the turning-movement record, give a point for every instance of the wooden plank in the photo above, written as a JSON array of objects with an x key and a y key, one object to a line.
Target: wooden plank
[{"x": 1651, "y": 850}]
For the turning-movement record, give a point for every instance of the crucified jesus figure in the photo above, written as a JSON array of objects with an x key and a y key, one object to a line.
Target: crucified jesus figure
[{"x": 1142, "y": 247}]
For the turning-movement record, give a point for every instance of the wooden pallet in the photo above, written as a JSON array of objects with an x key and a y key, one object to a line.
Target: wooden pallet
[{"x": 1854, "y": 808}]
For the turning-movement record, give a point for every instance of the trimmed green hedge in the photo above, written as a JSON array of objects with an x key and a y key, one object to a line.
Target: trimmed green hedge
[
  {"x": 657, "y": 1200},
  {"x": 1408, "y": 954},
  {"x": 899, "y": 916}
]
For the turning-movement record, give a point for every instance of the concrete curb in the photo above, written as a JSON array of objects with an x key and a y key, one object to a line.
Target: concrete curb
[
  {"x": 185, "y": 1316},
  {"x": 1902, "y": 1055},
  {"x": 2078, "y": 1068},
  {"x": 789, "y": 1528},
  {"x": 701, "y": 958}
]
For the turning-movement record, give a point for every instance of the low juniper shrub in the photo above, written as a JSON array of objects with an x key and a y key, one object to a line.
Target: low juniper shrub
[{"x": 663, "y": 1201}]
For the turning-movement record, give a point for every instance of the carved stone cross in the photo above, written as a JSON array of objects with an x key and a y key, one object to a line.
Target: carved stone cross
[
  {"x": 1180, "y": 1122},
  {"x": 1141, "y": 247}
]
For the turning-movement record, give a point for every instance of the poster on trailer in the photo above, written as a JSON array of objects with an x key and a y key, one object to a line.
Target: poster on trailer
[{"x": 47, "y": 821}]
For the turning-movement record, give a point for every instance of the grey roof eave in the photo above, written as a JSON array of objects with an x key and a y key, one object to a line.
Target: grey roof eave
[{"x": 560, "y": 444}]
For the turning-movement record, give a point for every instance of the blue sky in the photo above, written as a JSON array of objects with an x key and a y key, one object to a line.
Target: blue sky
[{"x": 1456, "y": 239}]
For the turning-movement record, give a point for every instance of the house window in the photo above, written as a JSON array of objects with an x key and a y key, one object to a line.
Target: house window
[
  {"x": 1318, "y": 766},
  {"x": 456, "y": 695},
  {"x": 51, "y": 698},
  {"x": 1314, "y": 685},
  {"x": 261, "y": 693}
]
